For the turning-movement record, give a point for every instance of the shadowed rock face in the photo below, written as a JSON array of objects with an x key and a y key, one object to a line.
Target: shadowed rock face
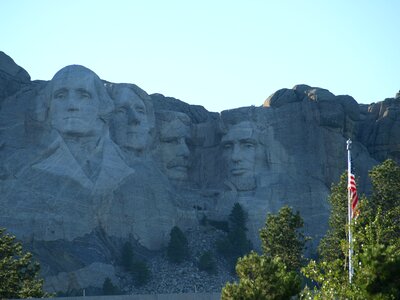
[
  {"x": 87, "y": 165},
  {"x": 380, "y": 130}
]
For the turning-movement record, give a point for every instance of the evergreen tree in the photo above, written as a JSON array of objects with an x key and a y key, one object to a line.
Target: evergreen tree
[
  {"x": 178, "y": 248},
  {"x": 127, "y": 257},
  {"x": 207, "y": 263},
  {"x": 238, "y": 217},
  {"x": 330, "y": 247},
  {"x": 281, "y": 236},
  {"x": 19, "y": 273},
  {"x": 109, "y": 288},
  {"x": 140, "y": 272},
  {"x": 386, "y": 187},
  {"x": 376, "y": 244},
  {"x": 274, "y": 274},
  {"x": 262, "y": 277},
  {"x": 137, "y": 268},
  {"x": 236, "y": 243}
]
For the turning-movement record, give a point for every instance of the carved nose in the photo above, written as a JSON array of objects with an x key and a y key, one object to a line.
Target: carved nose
[
  {"x": 183, "y": 149},
  {"x": 72, "y": 104},
  {"x": 132, "y": 117},
  {"x": 236, "y": 155}
]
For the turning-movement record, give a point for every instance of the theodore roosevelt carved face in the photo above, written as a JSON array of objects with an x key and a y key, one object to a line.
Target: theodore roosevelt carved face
[{"x": 174, "y": 133}]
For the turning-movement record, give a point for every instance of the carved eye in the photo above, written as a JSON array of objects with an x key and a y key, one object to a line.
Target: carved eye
[
  {"x": 60, "y": 95},
  {"x": 249, "y": 145},
  {"x": 140, "y": 109},
  {"x": 122, "y": 110},
  {"x": 85, "y": 95},
  {"x": 172, "y": 141},
  {"x": 227, "y": 146}
]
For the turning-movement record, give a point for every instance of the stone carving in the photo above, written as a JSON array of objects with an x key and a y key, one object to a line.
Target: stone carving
[
  {"x": 174, "y": 132},
  {"x": 87, "y": 164},
  {"x": 133, "y": 120},
  {"x": 79, "y": 110},
  {"x": 243, "y": 152}
]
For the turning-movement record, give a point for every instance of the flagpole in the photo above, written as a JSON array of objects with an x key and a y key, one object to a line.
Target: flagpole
[{"x": 349, "y": 212}]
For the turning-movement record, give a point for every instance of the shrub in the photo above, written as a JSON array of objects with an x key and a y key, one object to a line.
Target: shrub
[
  {"x": 207, "y": 263},
  {"x": 109, "y": 288},
  {"x": 178, "y": 249},
  {"x": 141, "y": 273}
]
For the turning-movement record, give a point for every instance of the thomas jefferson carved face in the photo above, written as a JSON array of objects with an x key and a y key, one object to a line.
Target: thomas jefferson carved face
[
  {"x": 75, "y": 104},
  {"x": 130, "y": 124},
  {"x": 240, "y": 151}
]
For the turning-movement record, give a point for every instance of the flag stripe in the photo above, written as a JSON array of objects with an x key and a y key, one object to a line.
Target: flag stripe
[{"x": 353, "y": 195}]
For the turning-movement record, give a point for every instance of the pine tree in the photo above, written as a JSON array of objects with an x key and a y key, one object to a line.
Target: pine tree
[
  {"x": 330, "y": 246},
  {"x": 273, "y": 274},
  {"x": 127, "y": 257},
  {"x": 281, "y": 236},
  {"x": 178, "y": 248},
  {"x": 236, "y": 243},
  {"x": 19, "y": 273},
  {"x": 207, "y": 263},
  {"x": 262, "y": 277},
  {"x": 140, "y": 272},
  {"x": 376, "y": 244},
  {"x": 109, "y": 288}
]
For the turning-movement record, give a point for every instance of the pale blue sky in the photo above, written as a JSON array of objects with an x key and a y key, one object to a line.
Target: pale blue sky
[{"x": 219, "y": 54}]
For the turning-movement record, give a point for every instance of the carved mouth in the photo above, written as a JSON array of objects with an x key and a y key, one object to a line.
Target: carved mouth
[
  {"x": 238, "y": 171},
  {"x": 180, "y": 168},
  {"x": 71, "y": 117}
]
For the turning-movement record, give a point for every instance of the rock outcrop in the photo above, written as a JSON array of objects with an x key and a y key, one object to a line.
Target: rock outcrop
[{"x": 87, "y": 165}]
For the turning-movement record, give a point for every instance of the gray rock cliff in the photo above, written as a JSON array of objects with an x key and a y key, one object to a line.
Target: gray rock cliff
[{"x": 87, "y": 164}]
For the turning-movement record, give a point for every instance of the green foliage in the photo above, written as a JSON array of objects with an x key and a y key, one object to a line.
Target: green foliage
[
  {"x": 262, "y": 277},
  {"x": 386, "y": 186},
  {"x": 281, "y": 236},
  {"x": 376, "y": 269},
  {"x": 127, "y": 257},
  {"x": 178, "y": 249},
  {"x": 271, "y": 275},
  {"x": 137, "y": 268},
  {"x": 238, "y": 217},
  {"x": 109, "y": 288},
  {"x": 19, "y": 273},
  {"x": 236, "y": 243},
  {"x": 331, "y": 245},
  {"x": 376, "y": 244},
  {"x": 141, "y": 273},
  {"x": 207, "y": 263}
]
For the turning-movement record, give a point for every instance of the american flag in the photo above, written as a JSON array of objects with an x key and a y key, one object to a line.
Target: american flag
[{"x": 353, "y": 195}]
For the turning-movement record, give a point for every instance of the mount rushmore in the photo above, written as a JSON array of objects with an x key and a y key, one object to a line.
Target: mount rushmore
[{"x": 87, "y": 164}]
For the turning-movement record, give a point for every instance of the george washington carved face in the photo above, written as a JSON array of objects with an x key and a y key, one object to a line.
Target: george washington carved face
[{"x": 76, "y": 106}]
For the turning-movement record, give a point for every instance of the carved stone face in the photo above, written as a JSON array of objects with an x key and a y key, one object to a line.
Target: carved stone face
[
  {"x": 130, "y": 124},
  {"x": 174, "y": 150},
  {"x": 240, "y": 151},
  {"x": 74, "y": 106}
]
